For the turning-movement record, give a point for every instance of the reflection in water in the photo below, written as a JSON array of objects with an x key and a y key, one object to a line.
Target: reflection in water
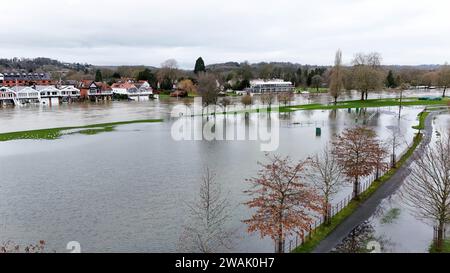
[{"x": 361, "y": 239}]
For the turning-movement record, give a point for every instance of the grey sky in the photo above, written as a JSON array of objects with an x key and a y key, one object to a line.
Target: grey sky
[{"x": 112, "y": 32}]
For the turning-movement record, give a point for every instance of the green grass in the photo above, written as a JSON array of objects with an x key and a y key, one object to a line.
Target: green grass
[
  {"x": 364, "y": 104},
  {"x": 445, "y": 248},
  {"x": 323, "y": 231},
  {"x": 311, "y": 90},
  {"x": 422, "y": 117},
  {"x": 55, "y": 133}
]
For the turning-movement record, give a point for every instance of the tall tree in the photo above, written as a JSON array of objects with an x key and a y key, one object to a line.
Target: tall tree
[
  {"x": 207, "y": 88},
  {"x": 98, "y": 76},
  {"x": 199, "y": 66},
  {"x": 316, "y": 82},
  {"x": 390, "y": 80},
  {"x": 284, "y": 204},
  {"x": 444, "y": 78},
  {"x": 147, "y": 75},
  {"x": 208, "y": 229},
  {"x": 427, "y": 190},
  {"x": 359, "y": 152},
  {"x": 336, "y": 77},
  {"x": 326, "y": 175},
  {"x": 168, "y": 74},
  {"x": 367, "y": 75}
]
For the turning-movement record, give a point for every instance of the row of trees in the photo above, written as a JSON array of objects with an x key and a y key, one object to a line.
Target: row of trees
[{"x": 366, "y": 75}]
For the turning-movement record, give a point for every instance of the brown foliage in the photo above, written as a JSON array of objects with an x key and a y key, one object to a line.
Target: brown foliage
[
  {"x": 284, "y": 204},
  {"x": 359, "y": 153}
]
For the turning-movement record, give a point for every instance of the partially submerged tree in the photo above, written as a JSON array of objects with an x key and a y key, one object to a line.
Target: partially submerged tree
[
  {"x": 427, "y": 190},
  {"x": 225, "y": 102},
  {"x": 285, "y": 98},
  {"x": 187, "y": 85},
  {"x": 336, "y": 77},
  {"x": 367, "y": 75},
  {"x": 284, "y": 204},
  {"x": 326, "y": 174},
  {"x": 268, "y": 98},
  {"x": 359, "y": 153},
  {"x": 316, "y": 82},
  {"x": 207, "y": 88},
  {"x": 246, "y": 100},
  {"x": 444, "y": 78},
  {"x": 207, "y": 230}
]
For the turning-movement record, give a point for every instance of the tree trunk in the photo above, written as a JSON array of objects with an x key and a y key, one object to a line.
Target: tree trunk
[
  {"x": 335, "y": 100},
  {"x": 443, "y": 93},
  {"x": 356, "y": 189},
  {"x": 362, "y": 95},
  {"x": 440, "y": 237},
  {"x": 367, "y": 95}
]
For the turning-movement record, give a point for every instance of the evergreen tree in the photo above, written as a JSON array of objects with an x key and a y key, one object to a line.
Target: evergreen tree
[
  {"x": 390, "y": 80},
  {"x": 199, "y": 66},
  {"x": 98, "y": 76},
  {"x": 149, "y": 76}
]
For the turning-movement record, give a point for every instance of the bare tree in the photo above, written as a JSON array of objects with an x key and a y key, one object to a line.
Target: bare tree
[
  {"x": 168, "y": 71},
  {"x": 336, "y": 77},
  {"x": 444, "y": 78},
  {"x": 207, "y": 230},
  {"x": 225, "y": 102},
  {"x": 326, "y": 174},
  {"x": 367, "y": 75},
  {"x": 427, "y": 190},
  {"x": 316, "y": 82},
  {"x": 284, "y": 204},
  {"x": 285, "y": 97},
  {"x": 207, "y": 88},
  {"x": 268, "y": 98}
]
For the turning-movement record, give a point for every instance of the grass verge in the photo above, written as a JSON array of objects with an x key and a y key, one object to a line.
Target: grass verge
[
  {"x": 323, "y": 231},
  {"x": 54, "y": 133},
  {"x": 445, "y": 248}
]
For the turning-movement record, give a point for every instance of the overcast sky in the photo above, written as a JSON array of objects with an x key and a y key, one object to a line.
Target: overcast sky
[{"x": 113, "y": 32}]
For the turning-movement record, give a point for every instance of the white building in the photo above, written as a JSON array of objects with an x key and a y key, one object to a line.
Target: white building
[
  {"x": 275, "y": 85},
  {"x": 50, "y": 95},
  {"x": 70, "y": 91},
  {"x": 137, "y": 92},
  {"x": 26, "y": 94}
]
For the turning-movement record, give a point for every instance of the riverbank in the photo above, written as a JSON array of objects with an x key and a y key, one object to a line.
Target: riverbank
[
  {"x": 325, "y": 238},
  {"x": 55, "y": 133}
]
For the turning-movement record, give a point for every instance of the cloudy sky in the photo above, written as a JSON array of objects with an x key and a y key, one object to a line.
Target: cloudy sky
[{"x": 113, "y": 32}]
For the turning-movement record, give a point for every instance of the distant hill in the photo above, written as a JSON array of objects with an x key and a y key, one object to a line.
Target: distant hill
[{"x": 40, "y": 64}]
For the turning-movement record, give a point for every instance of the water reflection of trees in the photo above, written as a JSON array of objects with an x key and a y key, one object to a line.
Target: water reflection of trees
[{"x": 358, "y": 239}]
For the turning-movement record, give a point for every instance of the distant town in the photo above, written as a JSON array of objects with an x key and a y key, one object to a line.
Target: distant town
[{"x": 50, "y": 82}]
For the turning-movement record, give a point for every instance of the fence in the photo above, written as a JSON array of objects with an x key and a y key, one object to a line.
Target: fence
[{"x": 364, "y": 185}]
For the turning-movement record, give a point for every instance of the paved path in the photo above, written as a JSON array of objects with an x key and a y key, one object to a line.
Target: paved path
[{"x": 368, "y": 207}]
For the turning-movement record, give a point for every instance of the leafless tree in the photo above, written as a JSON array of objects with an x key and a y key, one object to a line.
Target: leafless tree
[
  {"x": 326, "y": 174},
  {"x": 225, "y": 102},
  {"x": 169, "y": 70},
  {"x": 268, "y": 98},
  {"x": 285, "y": 97},
  {"x": 367, "y": 75},
  {"x": 336, "y": 77},
  {"x": 207, "y": 230},
  {"x": 207, "y": 88},
  {"x": 427, "y": 190},
  {"x": 444, "y": 78}
]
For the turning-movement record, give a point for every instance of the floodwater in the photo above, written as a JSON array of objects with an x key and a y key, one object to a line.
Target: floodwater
[
  {"x": 394, "y": 225},
  {"x": 127, "y": 190}
]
